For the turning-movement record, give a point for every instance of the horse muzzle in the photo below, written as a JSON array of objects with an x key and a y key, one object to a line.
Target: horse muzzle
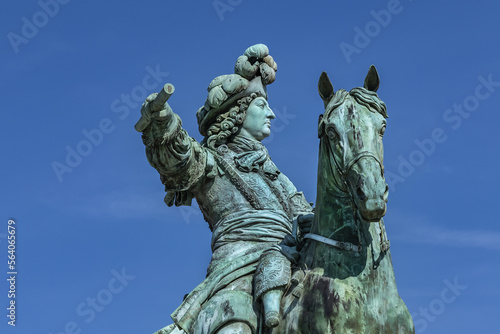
[{"x": 368, "y": 189}]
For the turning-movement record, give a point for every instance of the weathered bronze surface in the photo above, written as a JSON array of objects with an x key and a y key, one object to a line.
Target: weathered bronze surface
[
  {"x": 278, "y": 267},
  {"x": 347, "y": 282}
]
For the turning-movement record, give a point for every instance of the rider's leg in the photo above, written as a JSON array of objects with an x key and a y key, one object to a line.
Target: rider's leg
[{"x": 235, "y": 328}]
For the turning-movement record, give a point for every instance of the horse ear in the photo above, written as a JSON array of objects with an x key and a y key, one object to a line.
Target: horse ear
[
  {"x": 325, "y": 88},
  {"x": 372, "y": 80}
]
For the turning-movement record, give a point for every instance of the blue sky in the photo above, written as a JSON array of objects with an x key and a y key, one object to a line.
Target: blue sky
[{"x": 98, "y": 250}]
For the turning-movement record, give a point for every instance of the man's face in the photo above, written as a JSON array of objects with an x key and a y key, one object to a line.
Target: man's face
[{"x": 257, "y": 123}]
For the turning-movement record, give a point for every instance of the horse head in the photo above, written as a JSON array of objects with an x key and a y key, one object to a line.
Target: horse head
[
  {"x": 351, "y": 129},
  {"x": 349, "y": 284}
]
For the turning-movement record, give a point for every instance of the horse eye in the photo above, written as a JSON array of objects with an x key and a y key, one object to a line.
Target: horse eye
[
  {"x": 332, "y": 134},
  {"x": 382, "y": 131}
]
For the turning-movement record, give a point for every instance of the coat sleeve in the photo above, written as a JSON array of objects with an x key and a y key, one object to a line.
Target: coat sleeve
[{"x": 178, "y": 158}]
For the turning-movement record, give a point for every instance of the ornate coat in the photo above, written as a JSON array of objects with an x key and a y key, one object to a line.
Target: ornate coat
[{"x": 249, "y": 205}]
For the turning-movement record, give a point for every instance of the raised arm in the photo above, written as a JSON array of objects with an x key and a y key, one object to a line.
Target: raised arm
[{"x": 178, "y": 158}]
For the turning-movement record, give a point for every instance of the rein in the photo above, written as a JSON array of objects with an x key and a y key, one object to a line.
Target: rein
[
  {"x": 344, "y": 171},
  {"x": 384, "y": 243},
  {"x": 334, "y": 243}
]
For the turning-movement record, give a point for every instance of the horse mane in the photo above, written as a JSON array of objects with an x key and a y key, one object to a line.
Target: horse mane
[{"x": 363, "y": 96}]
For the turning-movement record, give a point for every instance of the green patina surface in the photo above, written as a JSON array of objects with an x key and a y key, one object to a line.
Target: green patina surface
[
  {"x": 347, "y": 291},
  {"x": 256, "y": 282}
]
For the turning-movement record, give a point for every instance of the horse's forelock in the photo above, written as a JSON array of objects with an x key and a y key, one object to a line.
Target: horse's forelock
[
  {"x": 370, "y": 100},
  {"x": 362, "y": 96}
]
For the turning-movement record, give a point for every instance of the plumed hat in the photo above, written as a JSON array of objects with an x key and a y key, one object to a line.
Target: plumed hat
[{"x": 254, "y": 70}]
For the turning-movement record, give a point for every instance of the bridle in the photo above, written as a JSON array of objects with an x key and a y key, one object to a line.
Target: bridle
[
  {"x": 343, "y": 172},
  {"x": 356, "y": 158}
]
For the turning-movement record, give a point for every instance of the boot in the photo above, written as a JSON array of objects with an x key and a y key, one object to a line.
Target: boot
[{"x": 271, "y": 301}]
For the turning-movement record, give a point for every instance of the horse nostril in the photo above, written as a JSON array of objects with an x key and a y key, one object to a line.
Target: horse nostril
[{"x": 361, "y": 195}]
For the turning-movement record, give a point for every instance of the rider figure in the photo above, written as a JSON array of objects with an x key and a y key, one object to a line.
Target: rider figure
[{"x": 248, "y": 203}]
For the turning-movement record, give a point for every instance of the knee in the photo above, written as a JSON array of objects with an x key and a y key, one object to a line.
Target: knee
[{"x": 235, "y": 328}]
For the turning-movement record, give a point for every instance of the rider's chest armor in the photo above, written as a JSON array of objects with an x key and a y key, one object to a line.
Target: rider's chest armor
[{"x": 227, "y": 189}]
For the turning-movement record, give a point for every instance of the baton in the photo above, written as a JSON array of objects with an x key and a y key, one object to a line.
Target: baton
[{"x": 156, "y": 105}]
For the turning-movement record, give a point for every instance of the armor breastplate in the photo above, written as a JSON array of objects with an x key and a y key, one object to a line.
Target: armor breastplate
[{"x": 232, "y": 190}]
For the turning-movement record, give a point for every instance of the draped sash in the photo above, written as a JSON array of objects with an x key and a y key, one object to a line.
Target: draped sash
[{"x": 238, "y": 241}]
